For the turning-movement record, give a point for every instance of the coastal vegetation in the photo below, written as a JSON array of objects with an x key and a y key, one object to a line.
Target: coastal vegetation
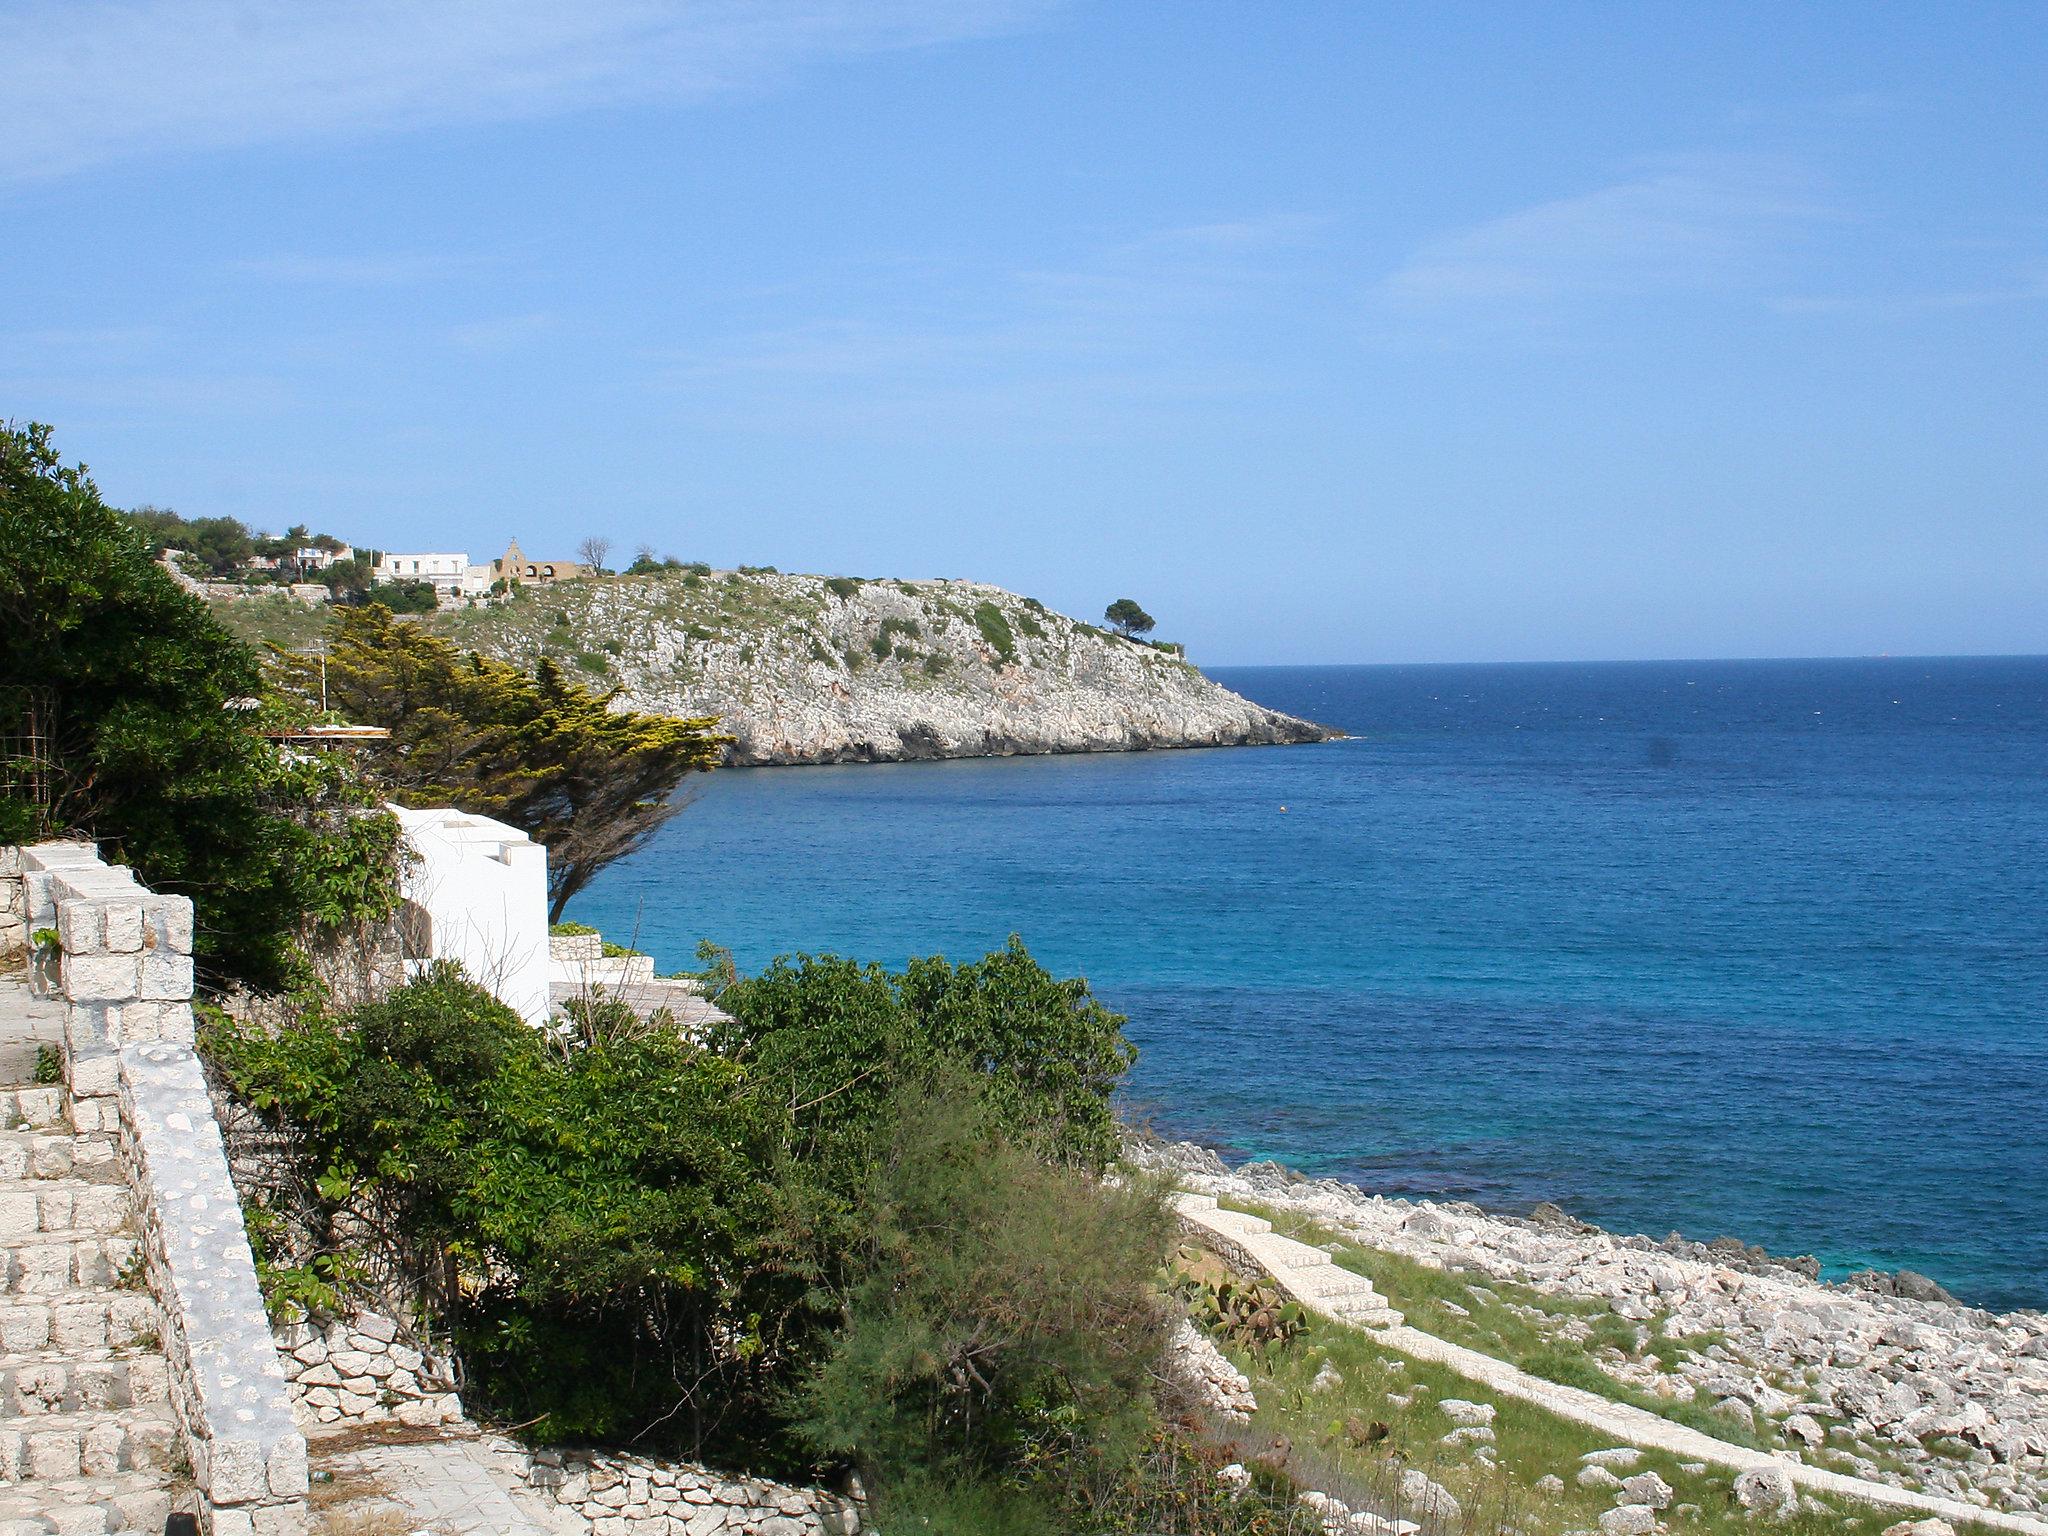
[
  {"x": 590, "y": 783},
  {"x": 134, "y": 718},
  {"x": 864, "y": 1224},
  {"x": 1128, "y": 619}
]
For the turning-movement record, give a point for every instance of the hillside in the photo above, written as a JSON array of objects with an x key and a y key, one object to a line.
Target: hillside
[{"x": 810, "y": 669}]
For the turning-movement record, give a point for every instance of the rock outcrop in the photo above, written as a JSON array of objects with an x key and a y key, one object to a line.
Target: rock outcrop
[
  {"x": 1862, "y": 1378},
  {"x": 809, "y": 669}
]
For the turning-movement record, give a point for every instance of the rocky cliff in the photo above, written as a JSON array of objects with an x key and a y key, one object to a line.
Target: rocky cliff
[{"x": 810, "y": 669}]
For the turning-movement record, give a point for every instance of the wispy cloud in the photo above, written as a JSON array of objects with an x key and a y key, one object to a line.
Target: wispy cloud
[
  {"x": 365, "y": 271},
  {"x": 86, "y": 83},
  {"x": 1074, "y": 348},
  {"x": 502, "y": 333},
  {"x": 1691, "y": 225},
  {"x": 2024, "y": 289}
]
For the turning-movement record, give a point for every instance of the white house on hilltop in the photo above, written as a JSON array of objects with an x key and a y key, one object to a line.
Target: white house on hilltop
[{"x": 449, "y": 574}]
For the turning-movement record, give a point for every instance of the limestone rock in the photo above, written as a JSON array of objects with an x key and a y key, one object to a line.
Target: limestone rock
[
  {"x": 806, "y": 669},
  {"x": 1767, "y": 1493}
]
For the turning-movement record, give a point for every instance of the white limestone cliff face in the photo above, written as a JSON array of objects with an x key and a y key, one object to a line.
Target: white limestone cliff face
[{"x": 806, "y": 669}]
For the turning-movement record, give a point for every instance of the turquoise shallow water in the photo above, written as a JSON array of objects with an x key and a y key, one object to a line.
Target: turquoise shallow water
[{"x": 1756, "y": 948}]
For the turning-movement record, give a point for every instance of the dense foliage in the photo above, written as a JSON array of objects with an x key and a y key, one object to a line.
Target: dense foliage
[
  {"x": 999, "y": 1311},
  {"x": 601, "y": 1225},
  {"x": 589, "y": 782},
  {"x": 148, "y": 718},
  {"x": 865, "y": 1217}
]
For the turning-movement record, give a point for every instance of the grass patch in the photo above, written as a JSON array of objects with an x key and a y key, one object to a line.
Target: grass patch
[
  {"x": 1517, "y": 1324},
  {"x": 1381, "y": 1417}
]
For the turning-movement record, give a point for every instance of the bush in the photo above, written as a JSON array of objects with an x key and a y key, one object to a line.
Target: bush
[
  {"x": 839, "y": 1038},
  {"x": 1003, "y": 1314},
  {"x": 598, "y": 1225},
  {"x": 406, "y": 596},
  {"x": 995, "y": 629}
]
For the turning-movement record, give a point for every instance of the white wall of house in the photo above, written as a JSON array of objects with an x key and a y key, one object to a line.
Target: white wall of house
[
  {"x": 482, "y": 889},
  {"x": 442, "y": 569}
]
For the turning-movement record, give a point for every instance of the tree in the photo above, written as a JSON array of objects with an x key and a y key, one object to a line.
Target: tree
[
  {"x": 592, "y": 552},
  {"x": 1128, "y": 619},
  {"x": 590, "y": 783},
  {"x": 138, "y": 693}
]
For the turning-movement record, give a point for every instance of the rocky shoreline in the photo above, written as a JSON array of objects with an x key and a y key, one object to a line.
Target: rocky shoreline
[
  {"x": 1882, "y": 1377},
  {"x": 818, "y": 670}
]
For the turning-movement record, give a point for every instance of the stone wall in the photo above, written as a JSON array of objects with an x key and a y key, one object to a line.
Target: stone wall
[
  {"x": 365, "y": 1369},
  {"x": 638, "y": 1496},
  {"x": 13, "y": 927},
  {"x": 123, "y": 967}
]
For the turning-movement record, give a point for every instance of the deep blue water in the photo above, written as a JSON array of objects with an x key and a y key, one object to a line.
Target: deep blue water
[{"x": 1756, "y": 948}]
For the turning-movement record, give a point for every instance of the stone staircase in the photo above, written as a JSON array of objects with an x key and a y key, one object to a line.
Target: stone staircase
[
  {"x": 1307, "y": 1274},
  {"x": 87, "y": 1442}
]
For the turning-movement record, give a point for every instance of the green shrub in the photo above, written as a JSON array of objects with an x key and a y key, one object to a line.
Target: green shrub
[
  {"x": 599, "y": 1225},
  {"x": 408, "y": 597},
  {"x": 839, "y": 1038},
  {"x": 1003, "y": 1314},
  {"x": 842, "y": 586},
  {"x": 995, "y": 629}
]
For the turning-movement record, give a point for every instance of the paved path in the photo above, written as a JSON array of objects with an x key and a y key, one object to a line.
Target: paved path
[
  {"x": 1284, "y": 1259},
  {"x": 452, "y": 1484}
]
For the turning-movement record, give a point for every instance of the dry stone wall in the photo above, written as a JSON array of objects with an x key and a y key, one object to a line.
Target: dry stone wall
[
  {"x": 365, "y": 1369},
  {"x": 637, "y": 1496}
]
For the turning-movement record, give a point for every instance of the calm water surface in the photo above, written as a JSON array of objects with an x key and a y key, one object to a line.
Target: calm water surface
[{"x": 1724, "y": 947}]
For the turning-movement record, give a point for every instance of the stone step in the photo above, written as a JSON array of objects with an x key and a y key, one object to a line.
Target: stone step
[
  {"x": 1380, "y": 1316},
  {"x": 44, "y": 1382},
  {"x": 1329, "y": 1283},
  {"x": 53, "y": 1262},
  {"x": 65, "y": 1447},
  {"x": 30, "y": 1206},
  {"x": 54, "y": 1155},
  {"x": 19, "y": 1058},
  {"x": 78, "y": 1320},
  {"x": 1237, "y": 1223},
  {"x": 1295, "y": 1255},
  {"x": 1193, "y": 1203},
  {"x": 129, "y": 1503},
  {"x": 39, "y": 1105}
]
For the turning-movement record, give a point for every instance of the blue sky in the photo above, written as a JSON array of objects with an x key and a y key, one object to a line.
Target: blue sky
[{"x": 1331, "y": 332}]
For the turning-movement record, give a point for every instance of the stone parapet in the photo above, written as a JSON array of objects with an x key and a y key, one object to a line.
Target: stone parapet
[{"x": 122, "y": 965}]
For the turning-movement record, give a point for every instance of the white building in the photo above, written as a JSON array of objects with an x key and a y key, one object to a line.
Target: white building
[
  {"x": 478, "y": 894},
  {"x": 445, "y": 572}
]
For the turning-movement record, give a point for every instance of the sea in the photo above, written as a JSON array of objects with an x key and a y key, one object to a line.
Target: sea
[{"x": 1743, "y": 948}]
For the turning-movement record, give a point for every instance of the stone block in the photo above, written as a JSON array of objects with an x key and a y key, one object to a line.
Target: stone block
[
  {"x": 93, "y": 1073},
  {"x": 232, "y": 1522},
  {"x": 287, "y": 1470},
  {"x": 236, "y": 1471},
  {"x": 169, "y": 923},
  {"x": 122, "y": 926},
  {"x": 101, "y": 978},
  {"x": 165, "y": 977},
  {"x": 81, "y": 928},
  {"x": 292, "y": 1519}
]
